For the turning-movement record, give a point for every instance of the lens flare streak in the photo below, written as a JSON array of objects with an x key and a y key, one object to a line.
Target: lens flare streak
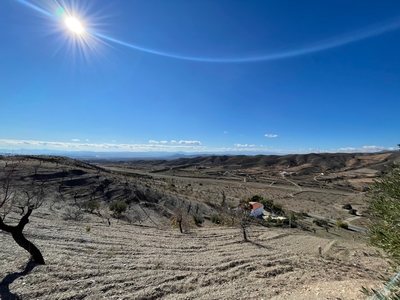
[{"x": 76, "y": 27}]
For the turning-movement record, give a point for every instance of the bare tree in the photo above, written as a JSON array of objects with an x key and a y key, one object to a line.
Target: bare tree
[
  {"x": 238, "y": 217},
  {"x": 181, "y": 218},
  {"x": 12, "y": 196},
  {"x": 243, "y": 221}
]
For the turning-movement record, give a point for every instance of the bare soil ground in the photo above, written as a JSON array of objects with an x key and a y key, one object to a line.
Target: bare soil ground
[
  {"x": 136, "y": 262},
  {"x": 144, "y": 257}
]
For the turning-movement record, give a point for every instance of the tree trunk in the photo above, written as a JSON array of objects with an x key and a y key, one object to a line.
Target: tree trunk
[
  {"x": 244, "y": 233},
  {"x": 20, "y": 239},
  {"x": 180, "y": 226}
]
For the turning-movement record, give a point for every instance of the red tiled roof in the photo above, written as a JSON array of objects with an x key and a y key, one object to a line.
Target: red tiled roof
[{"x": 256, "y": 205}]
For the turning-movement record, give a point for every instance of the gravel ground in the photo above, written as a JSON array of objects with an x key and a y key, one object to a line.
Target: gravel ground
[{"x": 137, "y": 262}]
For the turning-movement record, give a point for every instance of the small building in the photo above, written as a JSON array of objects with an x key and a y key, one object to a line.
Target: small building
[{"x": 257, "y": 209}]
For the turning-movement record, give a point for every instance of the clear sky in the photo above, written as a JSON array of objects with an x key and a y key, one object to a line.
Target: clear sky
[{"x": 200, "y": 75}]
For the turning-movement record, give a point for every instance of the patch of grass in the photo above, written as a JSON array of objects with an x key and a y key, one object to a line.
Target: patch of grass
[
  {"x": 216, "y": 219},
  {"x": 321, "y": 222},
  {"x": 118, "y": 208},
  {"x": 342, "y": 224},
  {"x": 198, "y": 219}
]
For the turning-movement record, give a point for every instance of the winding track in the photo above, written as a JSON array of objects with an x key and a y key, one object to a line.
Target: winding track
[{"x": 294, "y": 187}]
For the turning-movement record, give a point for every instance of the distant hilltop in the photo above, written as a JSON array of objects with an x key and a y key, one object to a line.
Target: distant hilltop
[{"x": 300, "y": 163}]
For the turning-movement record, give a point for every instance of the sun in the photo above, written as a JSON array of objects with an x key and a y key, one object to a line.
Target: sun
[{"x": 74, "y": 25}]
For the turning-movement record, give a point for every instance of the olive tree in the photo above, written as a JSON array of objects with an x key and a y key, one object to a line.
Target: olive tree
[
  {"x": 384, "y": 206},
  {"x": 25, "y": 197}
]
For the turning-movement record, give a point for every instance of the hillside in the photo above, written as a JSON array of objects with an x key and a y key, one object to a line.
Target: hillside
[
  {"x": 317, "y": 162},
  {"x": 347, "y": 171},
  {"x": 142, "y": 255}
]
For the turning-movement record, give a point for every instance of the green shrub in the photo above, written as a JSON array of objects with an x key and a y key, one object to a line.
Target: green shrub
[
  {"x": 347, "y": 206},
  {"x": 118, "y": 207},
  {"x": 384, "y": 207},
  {"x": 342, "y": 224},
  {"x": 321, "y": 222},
  {"x": 91, "y": 205},
  {"x": 216, "y": 219},
  {"x": 198, "y": 219}
]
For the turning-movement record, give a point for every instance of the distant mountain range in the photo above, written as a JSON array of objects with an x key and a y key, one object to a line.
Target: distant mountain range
[
  {"x": 323, "y": 160},
  {"x": 301, "y": 163},
  {"x": 99, "y": 155}
]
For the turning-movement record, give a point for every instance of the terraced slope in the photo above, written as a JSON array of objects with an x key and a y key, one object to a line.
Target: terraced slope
[{"x": 135, "y": 262}]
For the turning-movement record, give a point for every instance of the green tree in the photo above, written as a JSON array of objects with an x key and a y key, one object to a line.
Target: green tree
[{"x": 384, "y": 206}]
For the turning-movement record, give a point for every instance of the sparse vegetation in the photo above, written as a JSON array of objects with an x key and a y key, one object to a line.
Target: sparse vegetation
[
  {"x": 216, "y": 219},
  {"x": 73, "y": 214},
  {"x": 342, "y": 224},
  {"x": 181, "y": 219},
  {"x": 321, "y": 222},
  {"x": 118, "y": 208},
  {"x": 384, "y": 206},
  {"x": 161, "y": 249},
  {"x": 92, "y": 205},
  {"x": 198, "y": 219},
  {"x": 347, "y": 206}
]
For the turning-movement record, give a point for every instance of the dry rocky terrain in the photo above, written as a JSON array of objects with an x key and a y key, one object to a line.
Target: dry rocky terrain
[{"x": 142, "y": 256}]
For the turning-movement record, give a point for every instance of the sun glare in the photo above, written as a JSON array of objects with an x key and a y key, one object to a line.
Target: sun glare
[{"x": 74, "y": 25}]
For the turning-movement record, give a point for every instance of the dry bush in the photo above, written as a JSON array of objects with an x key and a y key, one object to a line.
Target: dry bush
[
  {"x": 181, "y": 219},
  {"x": 73, "y": 214}
]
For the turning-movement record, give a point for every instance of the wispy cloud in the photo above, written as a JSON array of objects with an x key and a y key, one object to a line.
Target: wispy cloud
[
  {"x": 191, "y": 146},
  {"x": 366, "y": 148},
  {"x": 244, "y": 145},
  {"x": 75, "y": 140},
  {"x": 175, "y": 142},
  {"x": 196, "y": 143},
  {"x": 271, "y": 135},
  {"x": 182, "y": 145}
]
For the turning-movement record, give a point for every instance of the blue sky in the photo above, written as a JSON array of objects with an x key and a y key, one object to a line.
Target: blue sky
[{"x": 210, "y": 76}]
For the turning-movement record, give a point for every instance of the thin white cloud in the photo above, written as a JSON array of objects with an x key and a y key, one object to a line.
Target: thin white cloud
[
  {"x": 244, "y": 145},
  {"x": 271, "y": 135},
  {"x": 373, "y": 148},
  {"x": 175, "y": 142},
  {"x": 13, "y": 144},
  {"x": 196, "y": 143},
  {"x": 349, "y": 149},
  {"x": 75, "y": 140},
  {"x": 366, "y": 148},
  {"x": 191, "y": 146}
]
